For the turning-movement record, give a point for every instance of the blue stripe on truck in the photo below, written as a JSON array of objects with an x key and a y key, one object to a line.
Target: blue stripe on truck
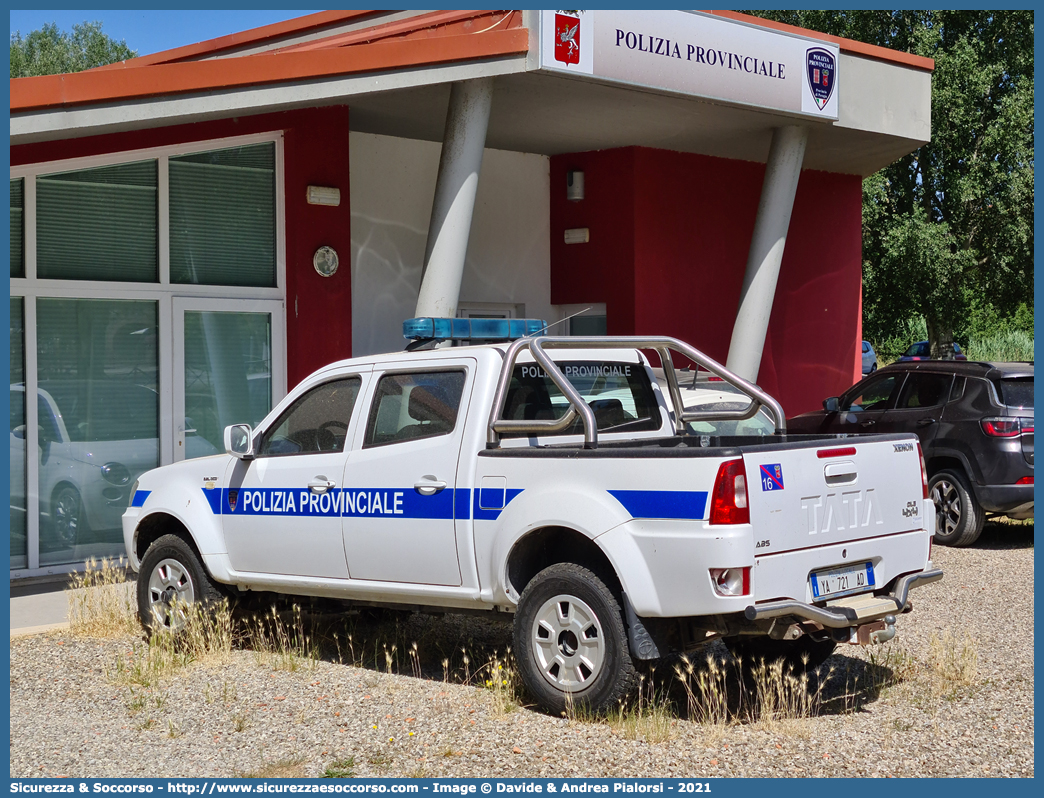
[{"x": 675, "y": 504}]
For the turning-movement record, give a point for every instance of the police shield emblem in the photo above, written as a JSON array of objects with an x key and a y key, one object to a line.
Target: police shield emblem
[{"x": 821, "y": 70}]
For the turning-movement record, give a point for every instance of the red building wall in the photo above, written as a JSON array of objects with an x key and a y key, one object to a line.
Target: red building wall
[
  {"x": 315, "y": 151},
  {"x": 669, "y": 239}
]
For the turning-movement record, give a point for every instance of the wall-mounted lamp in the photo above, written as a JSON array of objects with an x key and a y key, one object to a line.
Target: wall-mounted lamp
[
  {"x": 574, "y": 186},
  {"x": 322, "y": 195}
]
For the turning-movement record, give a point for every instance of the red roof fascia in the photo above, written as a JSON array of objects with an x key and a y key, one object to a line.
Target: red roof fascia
[
  {"x": 254, "y": 36},
  {"x": 846, "y": 45},
  {"x": 200, "y": 76},
  {"x": 437, "y": 23}
]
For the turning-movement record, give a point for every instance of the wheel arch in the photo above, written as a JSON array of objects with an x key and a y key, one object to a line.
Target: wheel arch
[{"x": 552, "y": 544}]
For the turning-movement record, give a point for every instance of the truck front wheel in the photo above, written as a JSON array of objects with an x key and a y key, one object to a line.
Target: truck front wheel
[
  {"x": 171, "y": 578},
  {"x": 570, "y": 641}
]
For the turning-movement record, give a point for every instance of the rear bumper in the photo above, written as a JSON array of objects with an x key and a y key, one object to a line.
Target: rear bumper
[
  {"x": 839, "y": 617},
  {"x": 1005, "y": 498}
]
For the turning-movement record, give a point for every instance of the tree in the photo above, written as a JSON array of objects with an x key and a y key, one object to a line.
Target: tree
[
  {"x": 948, "y": 229},
  {"x": 49, "y": 51}
]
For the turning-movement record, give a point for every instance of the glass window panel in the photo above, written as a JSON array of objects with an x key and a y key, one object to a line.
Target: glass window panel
[
  {"x": 222, "y": 217},
  {"x": 98, "y": 224},
  {"x": 228, "y": 375},
  {"x": 408, "y": 407},
  {"x": 18, "y": 227},
  {"x": 587, "y": 325},
  {"x": 317, "y": 422},
  {"x": 18, "y": 508},
  {"x": 99, "y": 420}
]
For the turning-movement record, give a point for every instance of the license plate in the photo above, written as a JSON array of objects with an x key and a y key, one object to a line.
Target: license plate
[{"x": 847, "y": 579}]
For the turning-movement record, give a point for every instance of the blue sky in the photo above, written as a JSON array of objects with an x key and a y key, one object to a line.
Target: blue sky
[{"x": 152, "y": 31}]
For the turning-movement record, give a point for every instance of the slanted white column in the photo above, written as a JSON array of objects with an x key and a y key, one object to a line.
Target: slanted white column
[
  {"x": 766, "y": 250},
  {"x": 454, "y": 203}
]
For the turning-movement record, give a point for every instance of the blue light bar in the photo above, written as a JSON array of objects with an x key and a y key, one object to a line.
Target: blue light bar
[{"x": 471, "y": 329}]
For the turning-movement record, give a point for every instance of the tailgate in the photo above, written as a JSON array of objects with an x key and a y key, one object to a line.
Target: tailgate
[{"x": 849, "y": 502}]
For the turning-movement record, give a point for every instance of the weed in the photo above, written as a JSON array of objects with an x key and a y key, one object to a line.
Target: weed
[
  {"x": 173, "y": 730},
  {"x": 147, "y": 724},
  {"x": 379, "y": 760},
  {"x": 648, "y": 718},
  {"x": 137, "y": 702},
  {"x": 340, "y": 769},
  {"x": 101, "y": 603},
  {"x": 291, "y": 767},
  {"x": 284, "y": 647},
  {"x": 953, "y": 663},
  {"x": 781, "y": 693},
  {"x": 501, "y": 681},
  {"x": 706, "y": 690},
  {"x": 240, "y": 721}
]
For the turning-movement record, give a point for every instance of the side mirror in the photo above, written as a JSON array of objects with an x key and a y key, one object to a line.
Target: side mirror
[
  {"x": 831, "y": 404},
  {"x": 239, "y": 441}
]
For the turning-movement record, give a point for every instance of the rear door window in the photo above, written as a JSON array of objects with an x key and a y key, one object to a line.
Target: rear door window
[
  {"x": 408, "y": 407},
  {"x": 924, "y": 390},
  {"x": 620, "y": 394},
  {"x": 1016, "y": 392}
]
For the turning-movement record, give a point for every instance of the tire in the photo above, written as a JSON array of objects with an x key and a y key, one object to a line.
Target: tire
[
  {"x": 801, "y": 655},
  {"x": 171, "y": 570},
  {"x": 67, "y": 516},
  {"x": 958, "y": 517},
  {"x": 570, "y": 641},
  {"x": 873, "y": 368}
]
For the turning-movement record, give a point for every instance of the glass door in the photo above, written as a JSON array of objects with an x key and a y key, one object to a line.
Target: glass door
[{"x": 229, "y": 368}]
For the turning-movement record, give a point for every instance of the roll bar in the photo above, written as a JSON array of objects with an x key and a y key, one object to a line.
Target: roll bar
[{"x": 662, "y": 345}]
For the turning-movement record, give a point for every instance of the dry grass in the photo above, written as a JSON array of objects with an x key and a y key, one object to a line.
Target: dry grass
[
  {"x": 286, "y": 768},
  {"x": 500, "y": 678},
  {"x": 207, "y": 637},
  {"x": 286, "y": 646},
  {"x": 101, "y": 604},
  {"x": 649, "y": 718},
  {"x": 782, "y": 694},
  {"x": 953, "y": 661}
]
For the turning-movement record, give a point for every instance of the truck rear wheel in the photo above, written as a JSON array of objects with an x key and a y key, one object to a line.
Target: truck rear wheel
[
  {"x": 570, "y": 641},
  {"x": 801, "y": 655},
  {"x": 171, "y": 574}
]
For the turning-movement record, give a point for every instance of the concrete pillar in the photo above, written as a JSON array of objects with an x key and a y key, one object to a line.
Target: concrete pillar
[
  {"x": 454, "y": 202},
  {"x": 766, "y": 250}
]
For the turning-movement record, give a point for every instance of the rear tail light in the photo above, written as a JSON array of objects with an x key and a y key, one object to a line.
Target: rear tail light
[
  {"x": 1003, "y": 427},
  {"x": 1025, "y": 481},
  {"x": 729, "y": 499},
  {"x": 924, "y": 472},
  {"x": 731, "y": 581}
]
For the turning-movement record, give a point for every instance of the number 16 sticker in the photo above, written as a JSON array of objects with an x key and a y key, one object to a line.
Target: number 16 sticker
[{"x": 772, "y": 477}]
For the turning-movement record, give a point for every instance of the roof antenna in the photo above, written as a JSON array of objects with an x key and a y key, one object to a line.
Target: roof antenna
[{"x": 547, "y": 327}]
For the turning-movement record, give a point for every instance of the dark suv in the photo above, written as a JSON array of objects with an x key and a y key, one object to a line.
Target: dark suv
[{"x": 975, "y": 422}]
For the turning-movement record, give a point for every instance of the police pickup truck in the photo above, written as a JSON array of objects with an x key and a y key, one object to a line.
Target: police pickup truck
[{"x": 557, "y": 481}]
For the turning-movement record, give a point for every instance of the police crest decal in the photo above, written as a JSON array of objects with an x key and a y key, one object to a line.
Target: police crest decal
[
  {"x": 567, "y": 39},
  {"x": 821, "y": 72}
]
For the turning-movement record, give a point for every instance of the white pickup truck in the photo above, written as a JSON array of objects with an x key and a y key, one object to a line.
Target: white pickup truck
[{"x": 553, "y": 480}]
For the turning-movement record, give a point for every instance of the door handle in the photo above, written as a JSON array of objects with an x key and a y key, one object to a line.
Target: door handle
[
  {"x": 429, "y": 486},
  {"x": 867, "y": 423},
  {"x": 320, "y": 484},
  {"x": 924, "y": 422}
]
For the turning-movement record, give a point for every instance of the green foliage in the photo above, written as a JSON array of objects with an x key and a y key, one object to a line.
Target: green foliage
[
  {"x": 948, "y": 229},
  {"x": 49, "y": 51}
]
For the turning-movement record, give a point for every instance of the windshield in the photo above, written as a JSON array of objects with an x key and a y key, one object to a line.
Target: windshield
[{"x": 620, "y": 394}]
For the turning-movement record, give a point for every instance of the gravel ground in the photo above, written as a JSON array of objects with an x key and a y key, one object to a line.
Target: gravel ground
[{"x": 72, "y": 716}]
